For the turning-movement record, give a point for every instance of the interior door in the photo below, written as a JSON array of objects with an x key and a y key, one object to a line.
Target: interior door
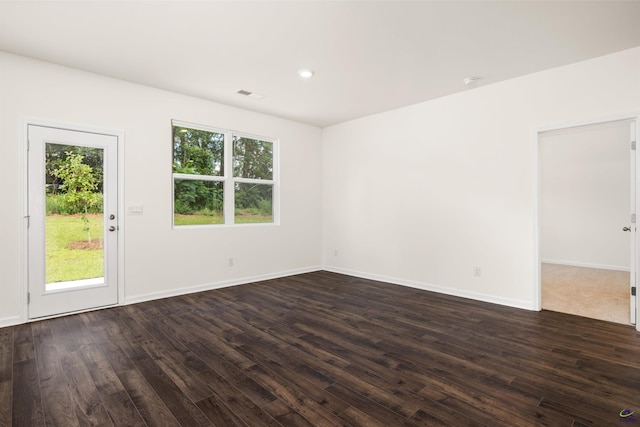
[{"x": 73, "y": 224}]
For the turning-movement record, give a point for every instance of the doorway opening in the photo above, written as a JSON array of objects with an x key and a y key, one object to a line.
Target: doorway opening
[{"x": 586, "y": 220}]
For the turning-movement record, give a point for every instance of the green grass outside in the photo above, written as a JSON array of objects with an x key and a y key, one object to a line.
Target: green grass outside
[
  {"x": 180, "y": 219},
  {"x": 241, "y": 218},
  {"x": 64, "y": 264}
]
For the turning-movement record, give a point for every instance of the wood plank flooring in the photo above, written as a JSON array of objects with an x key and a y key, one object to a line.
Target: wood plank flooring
[{"x": 318, "y": 349}]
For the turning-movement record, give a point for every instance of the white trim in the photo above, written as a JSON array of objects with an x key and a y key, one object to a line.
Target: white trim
[
  {"x": 24, "y": 249},
  {"x": 526, "y": 305},
  {"x": 581, "y": 123},
  {"x": 195, "y": 177},
  {"x": 215, "y": 226},
  {"x": 121, "y": 217},
  {"x": 254, "y": 181},
  {"x": 73, "y": 284},
  {"x": 585, "y": 264},
  {"x": 10, "y": 321},
  {"x": 536, "y": 284},
  {"x": 228, "y": 192},
  {"x": 217, "y": 285},
  {"x": 230, "y": 132},
  {"x": 69, "y": 126},
  {"x": 70, "y": 313},
  {"x": 275, "y": 194},
  {"x": 535, "y": 146}
]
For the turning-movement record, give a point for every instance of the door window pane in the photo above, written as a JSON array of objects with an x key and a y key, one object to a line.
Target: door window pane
[{"x": 74, "y": 222}]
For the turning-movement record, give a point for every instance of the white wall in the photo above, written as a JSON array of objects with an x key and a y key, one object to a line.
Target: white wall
[
  {"x": 585, "y": 196},
  {"x": 418, "y": 195},
  {"x": 158, "y": 260},
  {"x": 422, "y": 194}
]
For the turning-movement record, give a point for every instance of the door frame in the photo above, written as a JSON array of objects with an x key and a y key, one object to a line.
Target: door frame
[
  {"x": 119, "y": 135},
  {"x": 537, "y": 275}
]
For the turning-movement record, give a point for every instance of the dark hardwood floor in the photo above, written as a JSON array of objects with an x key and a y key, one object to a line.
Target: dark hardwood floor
[{"x": 318, "y": 349}]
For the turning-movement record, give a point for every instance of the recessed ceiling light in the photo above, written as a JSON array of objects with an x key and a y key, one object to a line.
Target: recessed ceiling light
[{"x": 305, "y": 73}]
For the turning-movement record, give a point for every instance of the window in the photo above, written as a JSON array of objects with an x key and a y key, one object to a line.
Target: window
[{"x": 222, "y": 177}]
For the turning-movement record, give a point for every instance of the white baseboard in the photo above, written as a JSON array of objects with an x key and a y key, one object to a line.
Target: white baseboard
[
  {"x": 585, "y": 264},
  {"x": 10, "y": 321},
  {"x": 526, "y": 305},
  {"x": 216, "y": 285},
  {"x": 15, "y": 320}
]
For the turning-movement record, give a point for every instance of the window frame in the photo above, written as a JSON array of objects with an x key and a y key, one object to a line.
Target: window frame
[{"x": 228, "y": 179}]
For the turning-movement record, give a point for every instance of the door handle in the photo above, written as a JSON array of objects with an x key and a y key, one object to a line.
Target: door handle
[
  {"x": 112, "y": 228},
  {"x": 626, "y": 228}
]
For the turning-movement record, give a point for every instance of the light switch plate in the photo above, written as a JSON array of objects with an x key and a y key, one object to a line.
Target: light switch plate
[{"x": 135, "y": 210}]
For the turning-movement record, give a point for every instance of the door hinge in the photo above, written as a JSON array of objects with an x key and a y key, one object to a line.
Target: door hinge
[
  {"x": 28, "y": 218},
  {"x": 28, "y": 297},
  {"x": 633, "y": 145},
  {"x": 633, "y": 218},
  {"x": 633, "y": 291}
]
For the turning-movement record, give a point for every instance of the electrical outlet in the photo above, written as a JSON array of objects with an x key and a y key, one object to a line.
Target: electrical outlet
[
  {"x": 335, "y": 252},
  {"x": 230, "y": 262},
  {"x": 476, "y": 271}
]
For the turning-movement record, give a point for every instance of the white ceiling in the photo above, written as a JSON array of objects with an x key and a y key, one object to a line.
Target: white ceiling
[{"x": 368, "y": 57}]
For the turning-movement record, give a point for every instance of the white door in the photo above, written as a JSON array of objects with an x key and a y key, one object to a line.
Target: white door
[
  {"x": 633, "y": 276},
  {"x": 73, "y": 224}
]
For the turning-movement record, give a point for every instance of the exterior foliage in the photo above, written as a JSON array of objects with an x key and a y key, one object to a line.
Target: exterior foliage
[
  {"x": 200, "y": 175},
  {"x": 56, "y": 154},
  {"x": 197, "y": 152},
  {"x": 253, "y": 159},
  {"x": 78, "y": 187}
]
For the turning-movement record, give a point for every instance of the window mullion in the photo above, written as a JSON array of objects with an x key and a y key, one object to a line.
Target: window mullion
[
  {"x": 254, "y": 181},
  {"x": 276, "y": 183},
  {"x": 195, "y": 177},
  {"x": 229, "y": 193}
]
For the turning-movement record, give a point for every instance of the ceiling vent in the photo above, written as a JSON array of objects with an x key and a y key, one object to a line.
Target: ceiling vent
[{"x": 250, "y": 94}]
